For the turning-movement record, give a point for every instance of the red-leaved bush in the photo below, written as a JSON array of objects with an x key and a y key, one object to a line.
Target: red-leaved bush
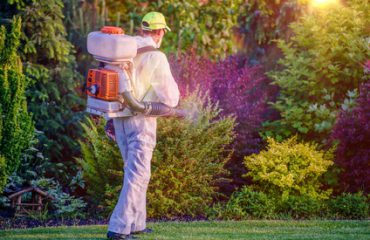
[
  {"x": 352, "y": 130},
  {"x": 240, "y": 90}
]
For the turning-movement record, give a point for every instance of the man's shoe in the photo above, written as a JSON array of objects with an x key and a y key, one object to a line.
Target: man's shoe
[
  {"x": 118, "y": 236},
  {"x": 146, "y": 230}
]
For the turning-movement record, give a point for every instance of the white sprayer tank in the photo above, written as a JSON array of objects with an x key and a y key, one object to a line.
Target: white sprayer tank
[{"x": 112, "y": 46}]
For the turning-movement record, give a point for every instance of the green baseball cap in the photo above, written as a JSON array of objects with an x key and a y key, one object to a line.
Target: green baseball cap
[{"x": 154, "y": 21}]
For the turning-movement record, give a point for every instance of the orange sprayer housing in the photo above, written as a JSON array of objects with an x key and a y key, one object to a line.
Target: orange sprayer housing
[
  {"x": 102, "y": 84},
  {"x": 112, "y": 30}
]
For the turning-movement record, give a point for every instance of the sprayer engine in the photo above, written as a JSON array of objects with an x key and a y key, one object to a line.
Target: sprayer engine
[{"x": 102, "y": 84}]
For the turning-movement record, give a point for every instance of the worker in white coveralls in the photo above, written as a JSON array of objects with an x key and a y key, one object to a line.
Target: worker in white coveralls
[{"x": 136, "y": 135}]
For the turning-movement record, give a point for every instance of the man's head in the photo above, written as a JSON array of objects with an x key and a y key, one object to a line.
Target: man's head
[{"x": 154, "y": 25}]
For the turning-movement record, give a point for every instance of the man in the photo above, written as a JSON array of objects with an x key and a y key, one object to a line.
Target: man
[{"x": 136, "y": 135}]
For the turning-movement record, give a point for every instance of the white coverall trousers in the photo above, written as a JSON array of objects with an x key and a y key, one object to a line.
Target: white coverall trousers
[{"x": 136, "y": 138}]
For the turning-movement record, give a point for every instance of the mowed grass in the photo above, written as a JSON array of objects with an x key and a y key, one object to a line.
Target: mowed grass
[{"x": 357, "y": 230}]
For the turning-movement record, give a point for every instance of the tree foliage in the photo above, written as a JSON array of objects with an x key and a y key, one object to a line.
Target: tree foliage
[
  {"x": 321, "y": 70},
  {"x": 16, "y": 125},
  {"x": 203, "y": 25},
  {"x": 261, "y": 23},
  {"x": 50, "y": 69}
]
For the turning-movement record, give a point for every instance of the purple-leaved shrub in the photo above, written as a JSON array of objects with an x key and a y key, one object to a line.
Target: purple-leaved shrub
[
  {"x": 191, "y": 71},
  {"x": 243, "y": 91},
  {"x": 352, "y": 131},
  {"x": 240, "y": 90}
]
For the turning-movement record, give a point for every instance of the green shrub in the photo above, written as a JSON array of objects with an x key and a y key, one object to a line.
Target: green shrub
[
  {"x": 289, "y": 168},
  {"x": 321, "y": 70},
  {"x": 68, "y": 207},
  {"x": 186, "y": 166},
  {"x": 347, "y": 205},
  {"x": 64, "y": 205},
  {"x": 31, "y": 172},
  {"x": 253, "y": 203},
  {"x": 100, "y": 157},
  {"x": 225, "y": 211},
  {"x": 248, "y": 203},
  {"x": 299, "y": 207}
]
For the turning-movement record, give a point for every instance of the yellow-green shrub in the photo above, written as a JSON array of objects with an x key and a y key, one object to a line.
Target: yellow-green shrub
[{"x": 289, "y": 168}]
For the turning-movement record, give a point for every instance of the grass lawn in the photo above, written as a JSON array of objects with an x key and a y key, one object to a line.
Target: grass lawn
[{"x": 357, "y": 230}]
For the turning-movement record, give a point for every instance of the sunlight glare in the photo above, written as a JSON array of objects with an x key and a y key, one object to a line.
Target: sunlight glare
[{"x": 323, "y": 3}]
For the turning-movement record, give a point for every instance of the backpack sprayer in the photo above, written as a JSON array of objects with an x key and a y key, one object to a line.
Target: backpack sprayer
[
  {"x": 104, "y": 85},
  {"x": 110, "y": 88}
]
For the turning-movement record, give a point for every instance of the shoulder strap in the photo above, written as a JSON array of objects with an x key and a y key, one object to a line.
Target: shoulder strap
[{"x": 146, "y": 49}]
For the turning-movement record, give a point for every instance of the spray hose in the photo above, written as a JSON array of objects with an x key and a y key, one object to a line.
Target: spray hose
[{"x": 155, "y": 109}]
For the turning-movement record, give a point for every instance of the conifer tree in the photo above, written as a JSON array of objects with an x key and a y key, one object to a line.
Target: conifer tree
[{"x": 16, "y": 125}]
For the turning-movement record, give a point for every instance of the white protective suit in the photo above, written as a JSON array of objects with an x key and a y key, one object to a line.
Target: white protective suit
[{"x": 136, "y": 138}]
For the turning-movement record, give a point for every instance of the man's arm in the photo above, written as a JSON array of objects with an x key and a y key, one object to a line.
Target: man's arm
[{"x": 162, "y": 81}]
